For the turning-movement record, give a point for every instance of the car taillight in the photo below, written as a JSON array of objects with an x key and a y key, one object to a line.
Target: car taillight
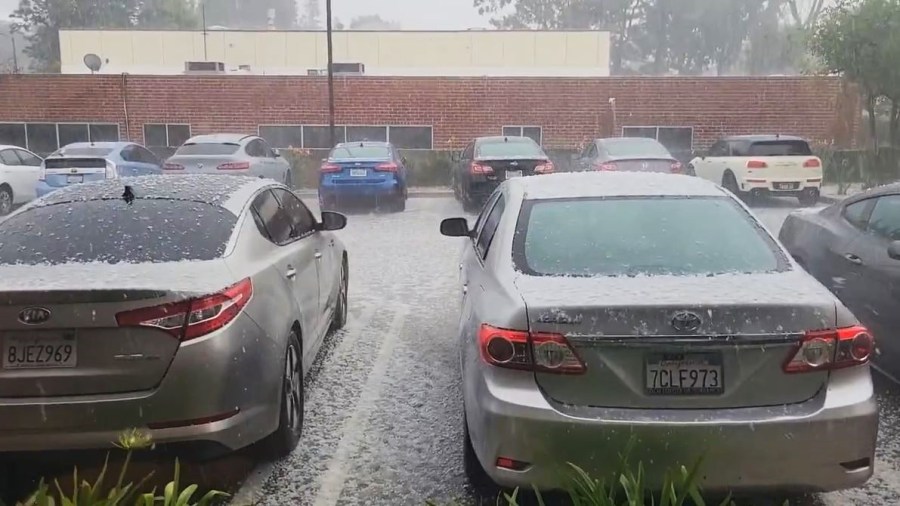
[
  {"x": 173, "y": 166},
  {"x": 812, "y": 163},
  {"x": 831, "y": 349},
  {"x": 535, "y": 351},
  {"x": 606, "y": 166},
  {"x": 477, "y": 168},
  {"x": 234, "y": 166},
  {"x": 43, "y": 175},
  {"x": 756, "y": 164},
  {"x": 193, "y": 318},
  {"x": 387, "y": 167},
  {"x": 329, "y": 167},
  {"x": 676, "y": 168},
  {"x": 111, "y": 172},
  {"x": 545, "y": 168}
]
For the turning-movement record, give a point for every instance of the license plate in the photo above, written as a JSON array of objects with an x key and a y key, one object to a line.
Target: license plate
[
  {"x": 40, "y": 352},
  {"x": 513, "y": 173},
  {"x": 785, "y": 186},
  {"x": 75, "y": 179},
  {"x": 358, "y": 172},
  {"x": 684, "y": 374}
]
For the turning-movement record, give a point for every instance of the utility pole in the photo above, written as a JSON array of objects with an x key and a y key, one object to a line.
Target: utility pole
[
  {"x": 330, "y": 74},
  {"x": 205, "y": 35},
  {"x": 12, "y": 37}
]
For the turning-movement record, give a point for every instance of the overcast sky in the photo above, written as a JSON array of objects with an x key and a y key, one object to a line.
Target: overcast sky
[{"x": 411, "y": 14}]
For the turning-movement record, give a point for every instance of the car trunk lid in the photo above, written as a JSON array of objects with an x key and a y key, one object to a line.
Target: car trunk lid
[
  {"x": 205, "y": 164},
  {"x": 359, "y": 171},
  {"x": 640, "y": 165},
  {"x": 634, "y": 336},
  {"x": 511, "y": 167}
]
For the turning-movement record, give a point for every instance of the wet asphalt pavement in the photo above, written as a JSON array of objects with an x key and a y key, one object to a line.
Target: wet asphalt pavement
[{"x": 383, "y": 414}]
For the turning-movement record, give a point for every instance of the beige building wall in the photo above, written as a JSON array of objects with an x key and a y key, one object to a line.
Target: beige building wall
[{"x": 415, "y": 53}]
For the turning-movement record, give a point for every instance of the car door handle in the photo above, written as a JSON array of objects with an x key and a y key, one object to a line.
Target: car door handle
[
  {"x": 853, "y": 259},
  {"x": 318, "y": 255},
  {"x": 291, "y": 273}
]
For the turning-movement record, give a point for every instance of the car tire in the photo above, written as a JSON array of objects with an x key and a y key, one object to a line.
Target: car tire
[
  {"x": 289, "y": 179},
  {"x": 808, "y": 198},
  {"x": 282, "y": 442},
  {"x": 730, "y": 183},
  {"x": 339, "y": 319},
  {"x": 6, "y": 200}
]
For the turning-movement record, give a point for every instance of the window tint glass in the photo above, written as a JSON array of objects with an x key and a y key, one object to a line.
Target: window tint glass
[
  {"x": 719, "y": 149},
  {"x": 885, "y": 219},
  {"x": 468, "y": 153},
  {"x": 104, "y": 133},
  {"x": 256, "y": 149},
  {"x": 208, "y": 149},
  {"x": 28, "y": 158},
  {"x": 351, "y": 152},
  {"x": 634, "y": 147},
  {"x": 514, "y": 147},
  {"x": 319, "y": 137},
  {"x": 490, "y": 227},
  {"x": 9, "y": 157},
  {"x": 780, "y": 148},
  {"x": 42, "y": 137},
  {"x": 405, "y": 137},
  {"x": 69, "y": 133},
  {"x": 302, "y": 220},
  {"x": 112, "y": 231},
  {"x": 366, "y": 133},
  {"x": 13, "y": 134},
  {"x": 129, "y": 154},
  {"x": 612, "y": 237},
  {"x": 275, "y": 219},
  {"x": 856, "y": 213}
]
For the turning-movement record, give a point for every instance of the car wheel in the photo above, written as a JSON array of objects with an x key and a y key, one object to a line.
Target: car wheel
[
  {"x": 282, "y": 442},
  {"x": 6, "y": 200},
  {"x": 691, "y": 171},
  {"x": 809, "y": 198},
  {"x": 730, "y": 183},
  {"x": 339, "y": 319},
  {"x": 400, "y": 202}
]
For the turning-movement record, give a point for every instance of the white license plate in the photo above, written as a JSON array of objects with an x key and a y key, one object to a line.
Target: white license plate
[
  {"x": 75, "y": 179},
  {"x": 684, "y": 374},
  {"x": 785, "y": 186},
  {"x": 358, "y": 172},
  {"x": 39, "y": 352},
  {"x": 513, "y": 173}
]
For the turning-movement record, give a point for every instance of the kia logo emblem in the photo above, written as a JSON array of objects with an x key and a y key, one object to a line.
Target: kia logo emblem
[
  {"x": 34, "y": 315},
  {"x": 685, "y": 321}
]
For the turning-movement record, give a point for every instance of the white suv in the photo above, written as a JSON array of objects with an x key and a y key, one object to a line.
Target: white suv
[{"x": 763, "y": 164}]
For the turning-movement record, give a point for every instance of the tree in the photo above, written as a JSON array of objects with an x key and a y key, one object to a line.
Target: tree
[
  {"x": 168, "y": 15},
  {"x": 310, "y": 19},
  {"x": 251, "y": 14},
  {"x": 372, "y": 22}
]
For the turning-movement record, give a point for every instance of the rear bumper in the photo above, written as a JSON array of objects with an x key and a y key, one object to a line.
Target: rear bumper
[
  {"x": 828, "y": 443},
  {"x": 351, "y": 189},
  {"x": 205, "y": 397},
  {"x": 43, "y": 188},
  {"x": 775, "y": 186}
]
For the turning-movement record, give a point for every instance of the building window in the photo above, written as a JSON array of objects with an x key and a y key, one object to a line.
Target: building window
[
  {"x": 411, "y": 137},
  {"x": 318, "y": 137},
  {"x": 13, "y": 134},
  {"x": 678, "y": 140},
  {"x": 166, "y": 135},
  {"x": 282, "y": 136},
  {"x": 367, "y": 133},
  {"x": 45, "y": 138},
  {"x": 533, "y": 132}
]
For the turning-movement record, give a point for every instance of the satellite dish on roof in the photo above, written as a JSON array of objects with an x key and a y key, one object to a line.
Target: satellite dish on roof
[{"x": 93, "y": 62}]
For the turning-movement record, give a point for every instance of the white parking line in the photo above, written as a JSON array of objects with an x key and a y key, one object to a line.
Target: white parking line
[{"x": 336, "y": 474}]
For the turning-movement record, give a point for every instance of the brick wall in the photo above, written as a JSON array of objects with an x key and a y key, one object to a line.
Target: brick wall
[{"x": 570, "y": 110}]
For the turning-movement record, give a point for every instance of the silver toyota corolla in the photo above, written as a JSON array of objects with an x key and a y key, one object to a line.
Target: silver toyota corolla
[
  {"x": 596, "y": 308},
  {"x": 229, "y": 154},
  {"x": 189, "y": 306}
]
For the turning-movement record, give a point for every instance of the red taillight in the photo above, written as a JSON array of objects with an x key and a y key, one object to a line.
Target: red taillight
[
  {"x": 193, "y": 318},
  {"x": 756, "y": 164},
  {"x": 387, "y": 167},
  {"x": 330, "y": 167},
  {"x": 173, "y": 166},
  {"x": 606, "y": 166},
  {"x": 536, "y": 351},
  {"x": 812, "y": 163},
  {"x": 234, "y": 166},
  {"x": 477, "y": 168},
  {"x": 511, "y": 464},
  {"x": 545, "y": 168},
  {"x": 676, "y": 168},
  {"x": 831, "y": 349}
]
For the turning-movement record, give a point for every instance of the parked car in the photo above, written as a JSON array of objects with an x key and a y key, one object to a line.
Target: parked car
[
  {"x": 638, "y": 154},
  {"x": 20, "y": 170},
  {"x": 852, "y": 248},
  {"x": 191, "y": 306},
  {"x": 363, "y": 170},
  {"x": 231, "y": 154},
  {"x": 488, "y": 161},
  {"x": 778, "y": 165},
  {"x": 605, "y": 306},
  {"x": 83, "y": 162}
]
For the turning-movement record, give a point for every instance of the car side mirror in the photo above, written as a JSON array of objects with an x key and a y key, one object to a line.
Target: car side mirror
[
  {"x": 455, "y": 227},
  {"x": 894, "y": 250},
  {"x": 332, "y": 221}
]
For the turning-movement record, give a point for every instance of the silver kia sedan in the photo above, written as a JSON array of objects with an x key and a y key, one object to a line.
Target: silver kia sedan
[
  {"x": 597, "y": 307},
  {"x": 229, "y": 154},
  {"x": 188, "y": 306}
]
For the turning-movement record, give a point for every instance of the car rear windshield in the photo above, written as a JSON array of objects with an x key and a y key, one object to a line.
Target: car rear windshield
[
  {"x": 208, "y": 148},
  {"x": 524, "y": 149},
  {"x": 780, "y": 148},
  {"x": 641, "y": 236},
  {"x": 635, "y": 147},
  {"x": 112, "y": 231},
  {"x": 94, "y": 152},
  {"x": 359, "y": 152}
]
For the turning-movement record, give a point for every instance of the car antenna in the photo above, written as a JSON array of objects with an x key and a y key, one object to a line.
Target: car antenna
[{"x": 128, "y": 195}]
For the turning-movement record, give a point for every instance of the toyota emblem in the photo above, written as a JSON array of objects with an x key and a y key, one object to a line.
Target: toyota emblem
[
  {"x": 685, "y": 321},
  {"x": 34, "y": 315}
]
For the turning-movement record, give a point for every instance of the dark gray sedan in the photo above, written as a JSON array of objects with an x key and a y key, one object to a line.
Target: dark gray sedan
[
  {"x": 633, "y": 154},
  {"x": 853, "y": 248}
]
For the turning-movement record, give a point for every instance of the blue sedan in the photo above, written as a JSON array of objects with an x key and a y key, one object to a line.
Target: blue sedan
[
  {"x": 372, "y": 171},
  {"x": 82, "y": 162}
]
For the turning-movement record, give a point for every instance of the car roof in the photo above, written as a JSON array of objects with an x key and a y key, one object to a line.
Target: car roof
[
  {"x": 503, "y": 138},
  {"x": 628, "y": 139},
  {"x": 108, "y": 145},
  {"x": 885, "y": 189},
  {"x": 612, "y": 184},
  {"x": 363, "y": 143},
  {"x": 229, "y": 192},
  {"x": 10, "y": 146},
  {"x": 763, "y": 138},
  {"x": 217, "y": 138}
]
